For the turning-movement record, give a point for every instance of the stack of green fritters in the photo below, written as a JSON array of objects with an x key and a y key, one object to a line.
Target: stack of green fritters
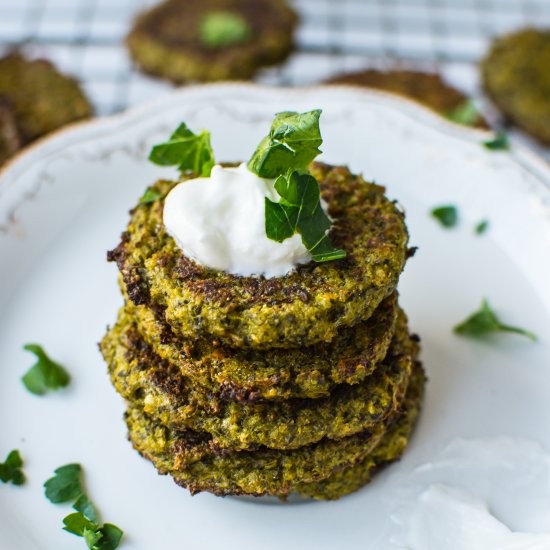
[{"x": 305, "y": 383}]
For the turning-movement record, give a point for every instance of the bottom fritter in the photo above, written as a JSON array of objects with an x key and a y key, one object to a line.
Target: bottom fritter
[{"x": 325, "y": 470}]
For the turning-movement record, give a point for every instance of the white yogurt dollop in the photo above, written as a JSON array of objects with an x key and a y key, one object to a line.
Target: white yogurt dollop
[
  {"x": 479, "y": 494},
  {"x": 219, "y": 222}
]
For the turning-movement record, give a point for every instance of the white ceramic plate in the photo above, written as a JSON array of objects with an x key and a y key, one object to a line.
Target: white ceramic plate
[{"x": 65, "y": 202}]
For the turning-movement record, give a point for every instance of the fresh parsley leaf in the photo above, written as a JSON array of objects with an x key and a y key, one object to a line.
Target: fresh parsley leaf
[
  {"x": 466, "y": 113},
  {"x": 12, "y": 469},
  {"x": 293, "y": 142},
  {"x": 77, "y": 524},
  {"x": 106, "y": 537},
  {"x": 111, "y": 538},
  {"x": 92, "y": 538},
  {"x": 84, "y": 505},
  {"x": 65, "y": 485},
  {"x": 446, "y": 215},
  {"x": 498, "y": 143},
  {"x": 224, "y": 28},
  {"x": 151, "y": 195},
  {"x": 485, "y": 321},
  {"x": 187, "y": 150},
  {"x": 482, "y": 227},
  {"x": 45, "y": 374},
  {"x": 300, "y": 211}
]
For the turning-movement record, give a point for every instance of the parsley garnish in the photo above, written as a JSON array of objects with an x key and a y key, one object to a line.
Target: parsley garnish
[
  {"x": 12, "y": 469},
  {"x": 300, "y": 211},
  {"x": 446, "y": 215},
  {"x": 481, "y": 227},
  {"x": 45, "y": 374},
  {"x": 466, "y": 113},
  {"x": 151, "y": 195},
  {"x": 485, "y": 321},
  {"x": 293, "y": 142},
  {"x": 498, "y": 143},
  {"x": 66, "y": 486},
  {"x": 224, "y": 28},
  {"x": 187, "y": 150}
]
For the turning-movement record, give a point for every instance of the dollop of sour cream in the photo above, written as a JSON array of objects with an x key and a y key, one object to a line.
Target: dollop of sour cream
[
  {"x": 220, "y": 223},
  {"x": 477, "y": 494}
]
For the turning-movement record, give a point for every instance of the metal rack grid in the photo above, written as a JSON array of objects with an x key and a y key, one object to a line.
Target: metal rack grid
[{"x": 85, "y": 39}]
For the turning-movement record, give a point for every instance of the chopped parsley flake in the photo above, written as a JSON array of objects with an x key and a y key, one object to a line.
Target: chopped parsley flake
[
  {"x": 12, "y": 469},
  {"x": 482, "y": 227},
  {"x": 498, "y": 143},
  {"x": 446, "y": 215}
]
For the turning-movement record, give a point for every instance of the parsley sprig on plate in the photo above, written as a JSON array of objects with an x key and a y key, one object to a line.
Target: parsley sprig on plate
[
  {"x": 12, "y": 469},
  {"x": 446, "y": 215},
  {"x": 66, "y": 486},
  {"x": 485, "y": 321},
  {"x": 45, "y": 374}
]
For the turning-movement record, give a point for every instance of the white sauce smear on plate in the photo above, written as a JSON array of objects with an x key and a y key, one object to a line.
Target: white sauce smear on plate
[
  {"x": 479, "y": 494},
  {"x": 220, "y": 223}
]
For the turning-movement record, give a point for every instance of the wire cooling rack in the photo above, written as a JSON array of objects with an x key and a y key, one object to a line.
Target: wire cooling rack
[{"x": 85, "y": 39}]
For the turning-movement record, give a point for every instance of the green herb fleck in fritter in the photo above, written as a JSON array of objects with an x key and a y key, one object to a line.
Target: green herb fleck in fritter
[{"x": 224, "y": 28}]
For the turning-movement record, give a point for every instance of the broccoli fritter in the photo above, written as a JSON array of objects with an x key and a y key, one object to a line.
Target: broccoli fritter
[
  {"x": 249, "y": 375},
  {"x": 426, "y": 88},
  {"x": 141, "y": 377},
  {"x": 166, "y": 41},
  {"x": 390, "y": 449},
  {"x": 307, "y": 306},
  {"x": 42, "y": 98},
  {"x": 199, "y": 465},
  {"x": 516, "y": 76},
  {"x": 10, "y": 141}
]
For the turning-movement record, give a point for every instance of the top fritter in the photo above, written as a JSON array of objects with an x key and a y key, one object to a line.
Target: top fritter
[{"x": 306, "y": 306}]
